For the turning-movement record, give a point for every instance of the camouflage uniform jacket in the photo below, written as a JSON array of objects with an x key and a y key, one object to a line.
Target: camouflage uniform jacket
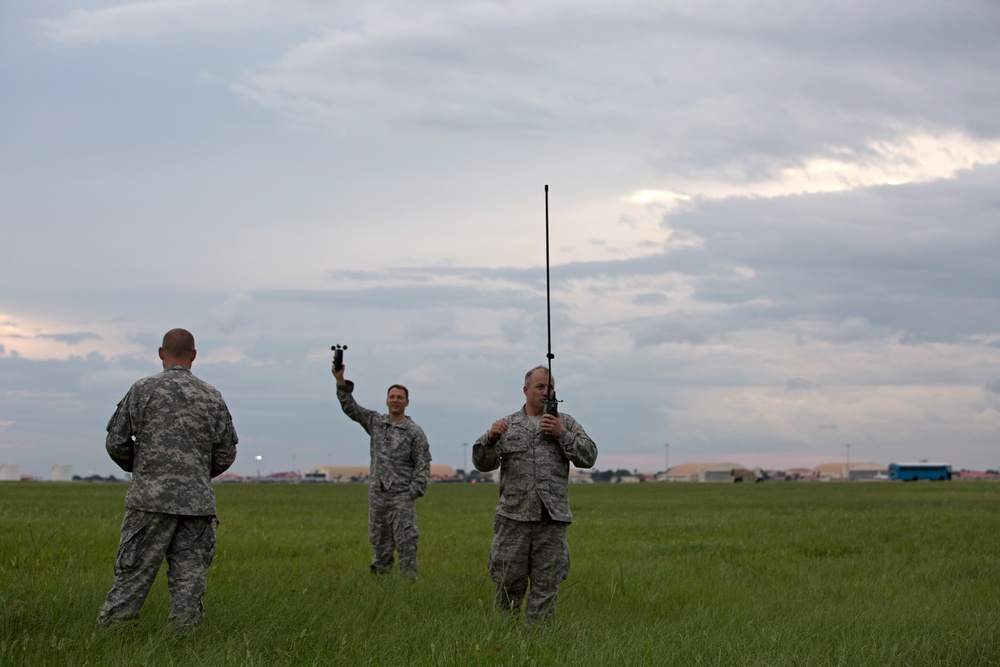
[
  {"x": 400, "y": 453},
  {"x": 534, "y": 470},
  {"x": 183, "y": 437}
]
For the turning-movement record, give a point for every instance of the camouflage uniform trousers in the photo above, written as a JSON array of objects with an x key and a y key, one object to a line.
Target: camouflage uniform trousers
[
  {"x": 187, "y": 542},
  {"x": 392, "y": 526},
  {"x": 523, "y": 551}
]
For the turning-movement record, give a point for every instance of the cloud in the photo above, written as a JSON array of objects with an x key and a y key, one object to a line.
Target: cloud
[
  {"x": 797, "y": 384},
  {"x": 773, "y": 225},
  {"x": 875, "y": 262},
  {"x": 151, "y": 19},
  {"x": 71, "y": 338},
  {"x": 234, "y": 314},
  {"x": 764, "y": 95}
]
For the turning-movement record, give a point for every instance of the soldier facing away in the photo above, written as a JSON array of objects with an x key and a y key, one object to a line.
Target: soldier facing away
[
  {"x": 400, "y": 471},
  {"x": 174, "y": 433},
  {"x": 533, "y": 451}
]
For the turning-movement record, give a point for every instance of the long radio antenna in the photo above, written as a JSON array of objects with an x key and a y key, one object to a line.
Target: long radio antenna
[{"x": 548, "y": 298}]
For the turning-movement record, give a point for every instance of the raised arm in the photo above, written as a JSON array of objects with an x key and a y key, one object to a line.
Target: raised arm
[
  {"x": 576, "y": 444},
  {"x": 485, "y": 455}
]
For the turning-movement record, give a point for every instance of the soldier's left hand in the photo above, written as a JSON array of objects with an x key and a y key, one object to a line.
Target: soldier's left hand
[{"x": 552, "y": 425}]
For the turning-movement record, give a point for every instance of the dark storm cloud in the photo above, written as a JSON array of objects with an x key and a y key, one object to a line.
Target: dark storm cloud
[{"x": 917, "y": 260}]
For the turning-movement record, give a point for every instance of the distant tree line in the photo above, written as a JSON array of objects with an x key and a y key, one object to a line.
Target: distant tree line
[
  {"x": 610, "y": 475},
  {"x": 97, "y": 478}
]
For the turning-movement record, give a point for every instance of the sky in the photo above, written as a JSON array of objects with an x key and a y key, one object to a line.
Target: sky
[{"x": 773, "y": 225}]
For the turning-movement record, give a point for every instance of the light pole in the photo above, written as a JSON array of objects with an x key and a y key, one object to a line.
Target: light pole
[
  {"x": 666, "y": 448},
  {"x": 465, "y": 461},
  {"x": 847, "y": 471}
]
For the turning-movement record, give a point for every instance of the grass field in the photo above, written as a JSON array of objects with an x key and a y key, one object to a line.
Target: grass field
[{"x": 662, "y": 574}]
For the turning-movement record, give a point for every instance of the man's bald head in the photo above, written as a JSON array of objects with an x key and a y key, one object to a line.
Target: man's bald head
[{"x": 178, "y": 348}]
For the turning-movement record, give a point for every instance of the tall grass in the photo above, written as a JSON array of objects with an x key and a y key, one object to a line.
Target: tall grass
[{"x": 765, "y": 574}]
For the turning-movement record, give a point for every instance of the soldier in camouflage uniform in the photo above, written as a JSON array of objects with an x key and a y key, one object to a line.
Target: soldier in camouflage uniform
[
  {"x": 533, "y": 451},
  {"x": 400, "y": 471},
  {"x": 174, "y": 433}
]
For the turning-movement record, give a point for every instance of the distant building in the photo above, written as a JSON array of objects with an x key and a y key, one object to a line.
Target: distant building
[
  {"x": 443, "y": 473},
  {"x": 710, "y": 472},
  {"x": 976, "y": 475},
  {"x": 344, "y": 474},
  {"x": 287, "y": 477},
  {"x": 61, "y": 472},
  {"x": 10, "y": 472},
  {"x": 860, "y": 471}
]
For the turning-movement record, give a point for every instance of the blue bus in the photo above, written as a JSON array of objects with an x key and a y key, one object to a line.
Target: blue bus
[{"x": 911, "y": 472}]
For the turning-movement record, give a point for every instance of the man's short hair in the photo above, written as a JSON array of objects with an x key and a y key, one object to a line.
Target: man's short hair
[
  {"x": 178, "y": 342},
  {"x": 527, "y": 376},
  {"x": 399, "y": 386}
]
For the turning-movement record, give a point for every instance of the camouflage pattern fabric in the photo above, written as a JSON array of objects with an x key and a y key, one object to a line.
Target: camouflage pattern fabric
[
  {"x": 523, "y": 550},
  {"x": 183, "y": 437},
  {"x": 392, "y": 525},
  {"x": 533, "y": 513},
  {"x": 400, "y": 472},
  {"x": 174, "y": 433},
  {"x": 534, "y": 471},
  {"x": 188, "y": 542}
]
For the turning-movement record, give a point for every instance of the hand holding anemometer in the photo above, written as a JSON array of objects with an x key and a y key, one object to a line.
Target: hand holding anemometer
[{"x": 338, "y": 356}]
